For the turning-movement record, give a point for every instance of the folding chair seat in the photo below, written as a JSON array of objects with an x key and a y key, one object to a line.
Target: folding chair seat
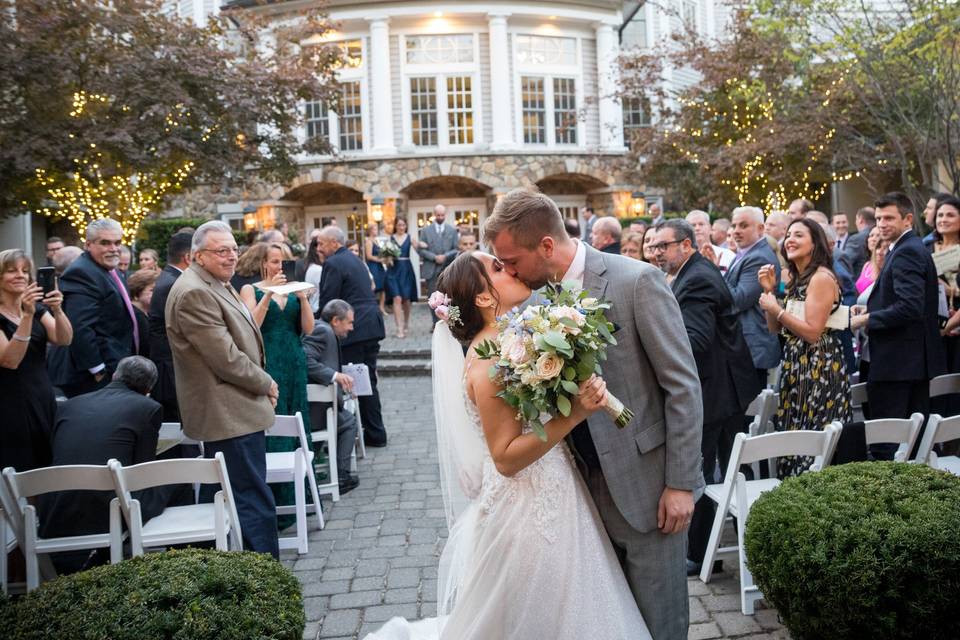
[
  {"x": 940, "y": 430},
  {"x": 296, "y": 466},
  {"x": 737, "y": 494},
  {"x": 28, "y": 484},
  {"x": 181, "y": 524},
  {"x": 328, "y": 394}
]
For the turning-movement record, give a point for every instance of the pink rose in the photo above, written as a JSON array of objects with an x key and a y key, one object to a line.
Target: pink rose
[
  {"x": 443, "y": 312},
  {"x": 438, "y": 299}
]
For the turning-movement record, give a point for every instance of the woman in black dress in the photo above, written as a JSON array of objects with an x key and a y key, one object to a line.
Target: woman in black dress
[{"x": 26, "y": 395}]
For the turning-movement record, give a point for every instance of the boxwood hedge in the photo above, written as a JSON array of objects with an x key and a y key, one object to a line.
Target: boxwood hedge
[
  {"x": 867, "y": 550},
  {"x": 178, "y": 595}
]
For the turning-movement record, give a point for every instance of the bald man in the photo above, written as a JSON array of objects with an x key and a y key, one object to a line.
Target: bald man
[{"x": 605, "y": 235}]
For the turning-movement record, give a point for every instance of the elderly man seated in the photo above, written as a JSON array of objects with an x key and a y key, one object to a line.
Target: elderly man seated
[
  {"x": 322, "y": 348},
  {"x": 119, "y": 421}
]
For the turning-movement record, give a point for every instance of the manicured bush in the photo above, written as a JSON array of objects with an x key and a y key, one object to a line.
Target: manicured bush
[
  {"x": 866, "y": 550},
  {"x": 190, "y": 595},
  {"x": 155, "y": 233}
]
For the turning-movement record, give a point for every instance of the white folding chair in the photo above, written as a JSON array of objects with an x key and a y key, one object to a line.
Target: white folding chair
[
  {"x": 858, "y": 395},
  {"x": 9, "y": 539},
  {"x": 762, "y": 409},
  {"x": 737, "y": 494},
  {"x": 28, "y": 484},
  {"x": 353, "y": 406},
  {"x": 903, "y": 431},
  {"x": 328, "y": 394},
  {"x": 183, "y": 524},
  {"x": 945, "y": 385},
  {"x": 939, "y": 430},
  {"x": 296, "y": 466}
]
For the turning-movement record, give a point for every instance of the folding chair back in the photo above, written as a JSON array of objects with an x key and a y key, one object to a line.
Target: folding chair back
[
  {"x": 29, "y": 484},
  {"x": 783, "y": 443},
  {"x": 903, "y": 431},
  {"x": 322, "y": 392},
  {"x": 939, "y": 430},
  {"x": 858, "y": 394},
  {"x": 945, "y": 385},
  {"x": 290, "y": 427},
  {"x": 762, "y": 409}
]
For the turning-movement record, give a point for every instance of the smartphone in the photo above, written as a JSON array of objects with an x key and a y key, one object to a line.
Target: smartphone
[
  {"x": 47, "y": 278},
  {"x": 290, "y": 270}
]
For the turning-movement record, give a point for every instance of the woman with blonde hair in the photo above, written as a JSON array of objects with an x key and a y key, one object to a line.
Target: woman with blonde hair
[
  {"x": 28, "y": 321},
  {"x": 631, "y": 245},
  {"x": 149, "y": 260}
]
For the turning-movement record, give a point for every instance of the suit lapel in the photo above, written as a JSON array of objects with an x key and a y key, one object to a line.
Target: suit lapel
[{"x": 230, "y": 296}]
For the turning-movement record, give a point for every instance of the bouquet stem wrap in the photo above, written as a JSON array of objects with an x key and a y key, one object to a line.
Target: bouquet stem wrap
[{"x": 619, "y": 413}]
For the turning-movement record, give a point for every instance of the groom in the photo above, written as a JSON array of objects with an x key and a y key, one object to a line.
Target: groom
[{"x": 642, "y": 477}]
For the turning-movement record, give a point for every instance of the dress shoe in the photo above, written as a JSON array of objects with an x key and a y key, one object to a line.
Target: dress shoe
[
  {"x": 693, "y": 568},
  {"x": 374, "y": 443},
  {"x": 348, "y": 483}
]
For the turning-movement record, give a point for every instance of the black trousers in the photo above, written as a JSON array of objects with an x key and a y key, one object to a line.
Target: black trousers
[
  {"x": 717, "y": 442},
  {"x": 366, "y": 352},
  {"x": 897, "y": 400}
]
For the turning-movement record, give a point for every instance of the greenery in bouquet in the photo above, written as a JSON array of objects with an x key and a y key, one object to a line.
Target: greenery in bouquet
[
  {"x": 389, "y": 251},
  {"x": 545, "y": 351}
]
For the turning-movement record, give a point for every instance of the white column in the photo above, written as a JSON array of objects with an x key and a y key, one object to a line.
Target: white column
[
  {"x": 500, "y": 102},
  {"x": 611, "y": 110},
  {"x": 381, "y": 91}
]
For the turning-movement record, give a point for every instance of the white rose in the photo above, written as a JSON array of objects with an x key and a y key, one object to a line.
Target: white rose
[
  {"x": 571, "y": 314},
  {"x": 517, "y": 354},
  {"x": 549, "y": 365},
  {"x": 529, "y": 377}
]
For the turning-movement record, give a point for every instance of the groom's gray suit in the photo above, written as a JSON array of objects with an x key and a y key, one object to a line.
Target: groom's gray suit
[{"x": 652, "y": 371}]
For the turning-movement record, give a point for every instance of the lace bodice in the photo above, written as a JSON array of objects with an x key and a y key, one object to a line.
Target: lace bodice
[{"x": 547, "y": 479}]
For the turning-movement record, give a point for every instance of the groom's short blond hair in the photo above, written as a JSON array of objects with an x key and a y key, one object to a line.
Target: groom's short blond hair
[{"x": 527, "y": 215}]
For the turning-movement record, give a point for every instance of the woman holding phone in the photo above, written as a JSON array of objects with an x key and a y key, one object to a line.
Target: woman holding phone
[
  {"x": 29, "y": 319},
  {"x": 282, "y": 320}
]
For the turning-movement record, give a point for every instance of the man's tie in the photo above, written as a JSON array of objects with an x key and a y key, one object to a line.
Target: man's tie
[
  {"x": 126, "y": 300},
  {"x": 839, "y": 243}
]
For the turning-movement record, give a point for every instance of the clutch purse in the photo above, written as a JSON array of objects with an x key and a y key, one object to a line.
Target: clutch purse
[{"x": 839, "y": 319}]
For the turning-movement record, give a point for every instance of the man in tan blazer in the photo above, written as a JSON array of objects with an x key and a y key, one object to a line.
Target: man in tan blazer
[{"x": 226, "y": 398}]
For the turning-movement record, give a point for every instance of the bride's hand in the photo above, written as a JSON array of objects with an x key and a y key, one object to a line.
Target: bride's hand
[{"x": 593, "y": 393}]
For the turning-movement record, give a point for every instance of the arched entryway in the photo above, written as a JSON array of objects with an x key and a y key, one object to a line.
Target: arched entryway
[
  {"x": 325, "y": 203},
  {"x": 572, "y": 192}
]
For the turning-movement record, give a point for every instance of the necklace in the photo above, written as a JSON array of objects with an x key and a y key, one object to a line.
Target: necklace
[{"x": 15, "y": 318}]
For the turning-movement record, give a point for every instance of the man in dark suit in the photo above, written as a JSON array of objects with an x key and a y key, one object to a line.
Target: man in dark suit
[
  {"x": 178, "y": 259},
  {"x": 98, "y": 305},
  {"x": 119, "y": 422},
  {"x": 322, "y": 348},
  {"x": 901, "y": 320},
  {"x": 719, "y": 350},
  {"x": 741, "y": 278},
  {"x": 854, "y": 252},
  {"x": 346, "y": 278}
]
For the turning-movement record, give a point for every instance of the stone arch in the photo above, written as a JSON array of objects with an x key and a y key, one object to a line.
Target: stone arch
[
  {"x": 445, "y": 186},
  {"x": 321, "y": 193},
  {"x": 569, "y": 184},
  {"x": 576, "y": 167}
]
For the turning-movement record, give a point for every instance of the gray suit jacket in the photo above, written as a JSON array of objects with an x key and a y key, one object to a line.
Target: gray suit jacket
[
  {"x": 742, "y": 280},
  {"x": 444, "y": 244},
  {"x": 652, "y": 371},
  {"x": 854, "y": 253}
]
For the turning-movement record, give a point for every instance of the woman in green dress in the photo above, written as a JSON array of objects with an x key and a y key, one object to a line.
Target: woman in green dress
[{"x": 282, "y": 320}]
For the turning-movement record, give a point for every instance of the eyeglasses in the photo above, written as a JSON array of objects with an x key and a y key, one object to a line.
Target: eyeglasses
[
  {"x": 224, "y": 252},
  {"x": 662, "y": 246}
]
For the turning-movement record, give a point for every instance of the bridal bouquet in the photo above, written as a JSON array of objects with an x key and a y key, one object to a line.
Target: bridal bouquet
[
  {"x": 543, "y": 352},
  {"x": 389, "y": 251}
]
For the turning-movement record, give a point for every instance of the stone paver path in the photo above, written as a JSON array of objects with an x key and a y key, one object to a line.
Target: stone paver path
[{"x": 377, "y": 557}]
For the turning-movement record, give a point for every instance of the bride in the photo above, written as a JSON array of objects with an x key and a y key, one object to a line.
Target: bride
[{"x": 527, "y": 556}]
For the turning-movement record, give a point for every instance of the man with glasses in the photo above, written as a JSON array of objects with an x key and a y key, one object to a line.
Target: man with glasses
[
  {"x": 99, "y": 307},
  {"x": 719, "y": 349},
  {"x": 226, "y": 398}
]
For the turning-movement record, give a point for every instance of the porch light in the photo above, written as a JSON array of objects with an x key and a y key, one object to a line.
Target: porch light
[
  {"x": 639, "y": 205},
  {"x": 377, "y": 210}
]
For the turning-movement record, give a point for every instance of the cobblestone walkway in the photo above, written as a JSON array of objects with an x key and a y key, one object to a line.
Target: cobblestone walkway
[{"x": 377, "y": 557}]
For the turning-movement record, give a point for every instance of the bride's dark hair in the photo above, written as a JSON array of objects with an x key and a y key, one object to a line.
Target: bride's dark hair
[{"x": 463, "y": 281}]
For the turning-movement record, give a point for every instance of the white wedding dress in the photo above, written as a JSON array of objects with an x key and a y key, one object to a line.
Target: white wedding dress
[{"x": 527, "y": 557}]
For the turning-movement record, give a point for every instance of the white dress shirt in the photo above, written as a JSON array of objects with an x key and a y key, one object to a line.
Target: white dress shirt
[{"x": 578, "y": 266}]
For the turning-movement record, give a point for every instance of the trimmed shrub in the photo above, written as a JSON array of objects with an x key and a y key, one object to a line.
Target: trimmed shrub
[
  {"x": 866, "y": 550},
  {"x": 190, "y": 594},
  {"x": 155, "y": 233}
]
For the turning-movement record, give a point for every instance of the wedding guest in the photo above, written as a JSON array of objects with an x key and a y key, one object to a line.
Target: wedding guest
[
  {"x": 123, "y": 266},
  {"x": 65, "y": 257},
  {"x": 799, "y": 208},
  {"x": 655, "y": 213},
  {"x": 572, "y": 225},
  {"x": 226, "y": 397},
  {"x": 855, "y": 250},
  {"x": 841, "y": 226},
  {"x": 346, "y": 279},
  {"x": 249, "y": 266},
  {"x": 901, "y": 320},
  {"x": 141, "y": 285},
  {"x": 649, "y": 238},
  {"x": 930, "y": 214},
  {"x": 732, "y": 241},
  {"x": 178, "y": 259},
  {"x": 401, "y": 282},
  {"x": 29, "y": 320},
  {"x": 753, "y": 252},
  {"x": 814, "y": 388},
  {"x": 322, "y": 349},
  {"x": 468, "y": 242},
  {"x": 606, "y": 235},
  {"x": 371, "y": 251},
  {"x": 83, "y": 436},
  {"x": 638, "y": 227},
  {"x": 589, "y": 218},
  {"x": 313, "y": 272},
  {"x": 717, "y": 254},
  {"x": 300, "y": 270},
  {"x": 718, "y": 232},
  {"x": 631, "y": 245},
  {"x": 54, "y": 244},
  {"x": 776, "y": 226},
  {"x": 149, "y": 259},
  {"x": 871, "y": 268},
  {"x": 437, "y": 248},
  {"x": 99, "y": 307},
  {"x": 946, "y": 237},
  {"x": 282, "y": 320}
]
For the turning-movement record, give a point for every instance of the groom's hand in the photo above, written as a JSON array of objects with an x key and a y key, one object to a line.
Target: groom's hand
[{"x": 675, "y": 510}]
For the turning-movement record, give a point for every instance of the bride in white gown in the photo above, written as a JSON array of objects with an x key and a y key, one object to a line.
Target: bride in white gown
[{"x": 527, "y": 557}]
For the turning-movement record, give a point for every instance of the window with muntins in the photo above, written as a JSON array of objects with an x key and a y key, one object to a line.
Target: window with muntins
[
  {"x": 565, "y": 110},
  {"x": 423, "y": 111},
  {"x": 351, "y": 117},
  {"x": 534, "y": 105},
  {"x": 636, "y": 116},
  {"x": 460, "y": 109},
  {"x": 440, "y": 49},
  {"x": 546, "y": 50}
]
